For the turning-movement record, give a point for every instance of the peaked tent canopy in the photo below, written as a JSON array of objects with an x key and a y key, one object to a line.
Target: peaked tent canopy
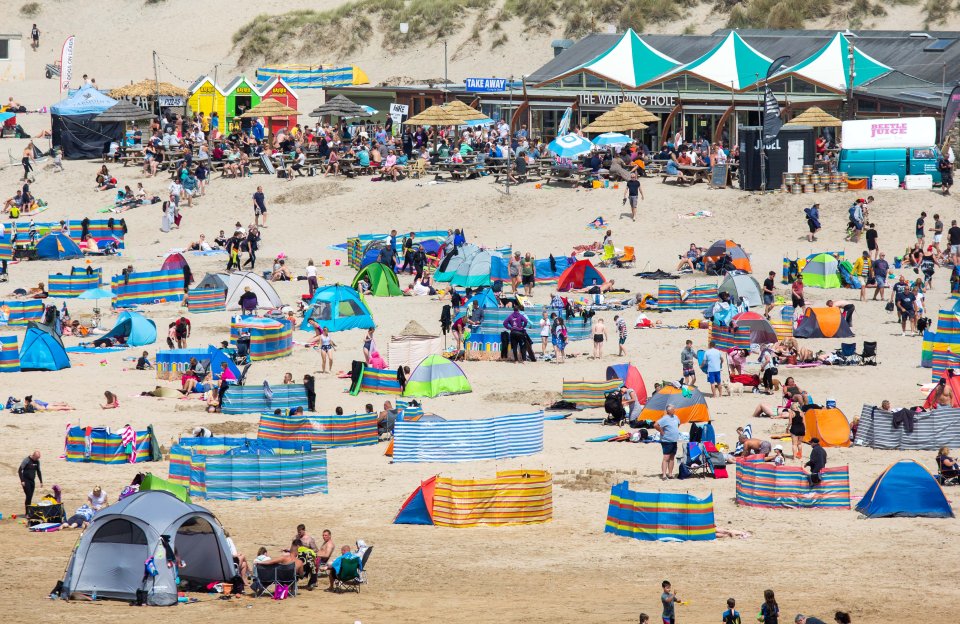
[
  {"x": 761, "y": 331},
  {"x": 56, "y": 246},
  {"x": 337, "y": 308},
  {"x": 823, "y": 323},
  {"x": 631, "y": 378},
  {"x": 578, "y": 275},
  {"x": 630, "y": 62},
  {"x": 383, "y": 281},
  {"x": 829, "y": 67},
  {"x": 436, "y": 116},
  {"x": 452, "y": 261},
  {"x": 731, "y": 64},
  {"x": 109, "y": 556},
  {"x": 821, "y": 271},
  {"x": 816, "y": 117},
  {"x": 689, "y": 403},
  {"x": 74, "y": 130},
  {"x": 905, "y": 489},
  {"x": 829, "y": 425},
  {"x": 737, "y": 255},
  {"x": 135, "y": 328},
  {"x": 437, "y": 376},
  {"x": 234, "y": 284},
  {"x": 739, "y": 285},
  {"x": 339, "y": 106},
  {"x": 42, "y": 350},
  {"x": 412, "y": 345},
  {"x": 418, "y": 508}
]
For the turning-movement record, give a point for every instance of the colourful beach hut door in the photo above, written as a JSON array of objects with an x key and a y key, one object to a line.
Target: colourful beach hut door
[
  {"x": 207, "y": 98},
  {"x": 241, "y": 97},
  {"x": 279, "y": 90}
]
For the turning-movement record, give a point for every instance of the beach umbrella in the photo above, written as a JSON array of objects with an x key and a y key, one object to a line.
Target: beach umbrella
[
  {"x": 123, "y": 111},
  {"x": 339, "y": 106},
  {"x": 612, "y": 139},
  {"x": 570, "y": 146},
  {"x": 636, "y": 111},
  {"x": 147, "y": 88},
  {"x": 615, "y": 121},
  {"x": 96, "y": 294},
  {"x": 814, "y": 116},
  {"x": 463, "y": 111},
  {"x": 270, "y": 108},
  {"x": 436, "y": 116}
]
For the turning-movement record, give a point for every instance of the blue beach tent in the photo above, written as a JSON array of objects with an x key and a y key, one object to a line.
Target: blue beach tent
[
  {"x": 57, "y": 247},
  {"x": 136, "y": 328},
  {"x": 42, "y": 350},
  {"x": 337, "y": 308},
  {"x": 905, "y": 489}
]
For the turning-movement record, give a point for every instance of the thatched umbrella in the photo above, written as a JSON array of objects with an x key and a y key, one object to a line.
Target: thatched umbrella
[
  {"x": 615, "y": 121},
  {"x": 814, "y": 116},
  {"x": 123, "y": 111},
  {"x": 638, "y": 112},
  {"x": 148, "y": 88},
  {"x": 270, "y": 108},
  {"x": 436, "y": 116},
  {"x": 463, "y": 111},
  {"x": 339, "y": 106}
]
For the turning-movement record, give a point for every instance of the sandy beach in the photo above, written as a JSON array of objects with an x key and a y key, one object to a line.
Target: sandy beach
[{"x": 567, "y": 570}]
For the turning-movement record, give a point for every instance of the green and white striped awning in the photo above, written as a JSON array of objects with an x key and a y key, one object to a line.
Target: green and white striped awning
[
  {"x": 829, "y": 67},
  {"x": 731, "y": 64}
]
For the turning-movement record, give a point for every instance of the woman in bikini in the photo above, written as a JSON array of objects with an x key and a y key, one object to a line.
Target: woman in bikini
[{"x": 326, "y": 350}]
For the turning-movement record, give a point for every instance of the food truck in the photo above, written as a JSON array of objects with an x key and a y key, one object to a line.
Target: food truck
[{"x": 901, "y": 147}]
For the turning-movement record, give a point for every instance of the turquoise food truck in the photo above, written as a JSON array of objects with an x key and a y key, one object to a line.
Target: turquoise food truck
[{"x": 898, "y": 147}]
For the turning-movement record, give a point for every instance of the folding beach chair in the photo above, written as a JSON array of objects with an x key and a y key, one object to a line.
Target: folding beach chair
[
  {"x": 868, "y": 357},
  {"x": 274, "y": 575},
  {"x": 349, "y": 576},
  {"x": 628, "y": 258},
  {"x": 697, "y": 461},
  {"x": 609, "y": 252},
  {"x": 847, "y": 353}
]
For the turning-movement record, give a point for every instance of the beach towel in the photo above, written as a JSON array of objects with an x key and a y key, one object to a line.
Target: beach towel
[
  {"x": 89, "y": 349},
  {"x": 747, "y": 431},
  {"x": 128, "y": 441}
]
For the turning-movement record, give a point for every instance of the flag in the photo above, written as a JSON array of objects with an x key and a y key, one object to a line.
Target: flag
[
  {"x": 950, "y": 114},
  {"x": 771, "y": 108},
  {"x": 66, "y": 63}
]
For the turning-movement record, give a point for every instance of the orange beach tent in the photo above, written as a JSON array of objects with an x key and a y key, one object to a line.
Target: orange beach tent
[{"x": 829, "y": 425}]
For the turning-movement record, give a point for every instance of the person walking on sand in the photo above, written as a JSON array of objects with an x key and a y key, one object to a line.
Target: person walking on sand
[
  {"x": 326, "y": 350},
  {"x": 621, "y": 325},
  {"x": 599, "y": 336},
  {"x": 813, "y": 221},
  {"x": 259, "y": 208},
  {"x": 633, "y": 192},
  {"x": 688, "y": 361},
  {"x": 26, "y": 161}
]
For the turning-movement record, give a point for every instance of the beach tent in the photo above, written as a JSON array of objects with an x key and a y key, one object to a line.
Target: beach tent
[
  {"x": 153, "y": 483},
  {"x": 418, "y": 508},
  {"x": 452, "y": 261},
  {"x": 659, "y": 516},
  {"x": 485, "y": 298},
  {"x": 630, "y": 377},
  {"x": 371, "y": 252},
  {"x": 738, "y": 256},
  {"x": 178, "y": 262},
  {"x": 235, "y": 283},
  {"x": 690, "y": 404},
  {"x": 412, "y": 345},
  {"x": 742, "y": 285},
  {"x": 110, "y": 555},
  {"x": 42, "y": 350},
  {"x": 829, "y": 425},
  {"x": 437, "y": 376},
  {"x": 823, "y": 323},
  {"x": 578, "y": 275},
  {"x": 476, "y": 267},
  {"x": 57, "y": 247},
  {"x": 822, "y": 271},
  {"x": 952, "y": 380},
  {"x": 905, "y": 489},
  {"x": 383, "y": 281},
  {"x": 761, "y": 331},
  {"x": 337, "y": 308},
  {"x": 74, "y": 130},
  {"x": 135, "y": 327}
]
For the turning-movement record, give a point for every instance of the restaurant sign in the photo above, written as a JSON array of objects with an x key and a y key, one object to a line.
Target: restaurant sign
[{"x": 612, "y": 99}]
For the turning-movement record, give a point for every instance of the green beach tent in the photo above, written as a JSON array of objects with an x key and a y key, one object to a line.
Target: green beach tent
[
  {"x": 821, "y": 271},
  {"x": 383, "y": 282},
  {"x": 434, "y": 376}
]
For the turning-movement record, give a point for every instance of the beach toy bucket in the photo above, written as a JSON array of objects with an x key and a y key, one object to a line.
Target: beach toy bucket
[
  {"x": 606, "y": 184},
  {"x": 227, "y": 589},
  {"x": 326, "y": 263}
]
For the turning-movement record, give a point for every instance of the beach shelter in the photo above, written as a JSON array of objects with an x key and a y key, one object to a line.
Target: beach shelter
[
  {"x": 42, "y": 350},
  {"x": 418, "y": 508},
  {"x": 578, "y": 275},
  {"x": 109, "y": 557},
  {"x": 952, "y": 380},
  {"x": 383, "y": 281},
  {"x": 829, "y": 67},
  {"x": 484, "y": 298},
  {"x": 437, "y": 376},
  {"x": 207, "y": 97},
  {"x": 823, "y": 323},
  {"x": 731, "y": 64},
  {"x": 56, "y": 246},
  {"x": 276, "y": 88},
  {"x": 74, "y": 130},
  {"x": 412, "y": 345},
  {"x": 479, "y": 269},
  {"x": 630, "y": 62},
  {"x": 905, "y": 489},
  {"x": 235, "y": 283},
  {"x": 659, "y": 516},
  {"x": 630, "y": 377},
  {"x": 739, "y": 257},
  {"x": 822, "y": 271},
  {"x": 739, "y": 285},
  {"x": 451, "y": 262},
  {"x": 829, "y": 425},
  {"x": 689, "y": 403},
  {"x": 137, "y": 329},
  {"x": 761, "y": 331},
  {"x": 337, "y": 308}
]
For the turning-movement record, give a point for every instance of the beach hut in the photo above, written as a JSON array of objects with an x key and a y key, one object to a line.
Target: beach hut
[
  {"x": 241, "y": 95},
  {"x": 383, "y": 281},
  {"x": 578, "y": 275},
  {"x": 437, "y": 376},
  {"x": 742, "y": 285},
  {"x": 412, "y": 345},
  {"x": 42, "y": 350},
  {"x": 74, "y": 130},
  {"x": 690, "y": 404},
  {"x": 109, "y": 557},
  {"x": 905, "y": 489},
  {"x": 57, "y": 246},
  {"x": 137, "y": 329},
  {"x": 207, "y": 97},
  {"x": 337, "y": 308},
  {"x": 276, "y": 88}
]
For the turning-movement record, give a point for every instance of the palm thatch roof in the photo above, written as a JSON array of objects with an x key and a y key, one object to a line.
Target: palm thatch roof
[
  {"x": 339, "y": 106},
  {"x": 463, "y": 111},
  {"x": 270, "y": 108},
  {"x": 147, "y": 88},
  {"x": 436, "y": 116},
  {"x": 123, "y": 111},
  {"x": 615, "y": 121},
  {"x": 815, "y": 116}
]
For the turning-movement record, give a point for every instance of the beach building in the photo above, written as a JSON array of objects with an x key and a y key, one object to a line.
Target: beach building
[{"x": 12, "y": 58}]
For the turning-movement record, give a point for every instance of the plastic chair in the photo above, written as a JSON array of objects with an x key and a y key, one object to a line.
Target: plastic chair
[{"x": 608, "y": 254}]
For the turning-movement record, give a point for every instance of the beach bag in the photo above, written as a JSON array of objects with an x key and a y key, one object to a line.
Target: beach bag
[{"x": 281, "y": 592}]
